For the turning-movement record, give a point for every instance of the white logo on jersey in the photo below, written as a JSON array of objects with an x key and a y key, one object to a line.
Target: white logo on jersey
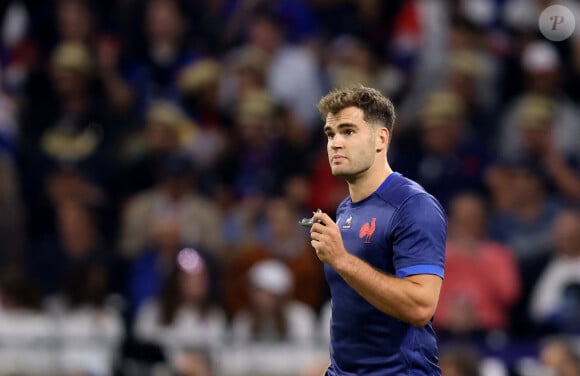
[{"x": 348, "y": 222}]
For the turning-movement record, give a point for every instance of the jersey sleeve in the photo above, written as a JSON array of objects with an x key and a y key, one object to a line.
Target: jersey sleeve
[{"x": 419, "y": 235}]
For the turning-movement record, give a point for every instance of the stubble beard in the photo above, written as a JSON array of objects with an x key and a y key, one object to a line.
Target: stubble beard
[{"x": 351, "y": 176}]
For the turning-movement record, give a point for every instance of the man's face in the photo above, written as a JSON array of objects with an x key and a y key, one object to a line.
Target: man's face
[
  {"x": 536, "y": 141},
  {"x": 350, "y": 143},
  {"x": 566, "y": 232}
]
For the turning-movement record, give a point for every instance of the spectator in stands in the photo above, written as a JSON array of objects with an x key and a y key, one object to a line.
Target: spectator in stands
[
  {"x": 560, "y": 356},
  {"x": 298, "y": 18},
  {"x": 88, "y": 320},
  {"x": 182, "y": 315},
  {"x": 271, "y": 315},
  {"x": 286, "y": 242},
  {"x": 78, "y": 240},
  {"x": 455, "y": 33},
  {"x": 482, "y": 280},
  {"x": 154, "y": 62},
  {"x": 65, "y": 144},
  {"x": 199, "y": 84},
  {"x": 174, "y": 198},
  {"x": 536, "y": 117},
  {"x": 61, "y": 21},
  {"x": 27, "y": 330},
  {"x": 542, "y": 65},
  {"x": 76, "y": 22},
  {"x": 466, "y": 76},
  {"x": 257, "y": 126},
  {"x": 525, "y": 225},
  {"x": 144, "y": 152},
  {"x": 243, "y": 222},
  {"x": 70, "y": 100},
  {"x": 11, "y": 214},
  {"x": 244, "y": 72},
  {"x": 459, "y": 362},
  {"x": 9, "y": 107},
  {"x": 350, "y": 61},
  {"x": 292, "y": 73},
  {"x": 151, "y": 268},
  {"x": 555, "y": 300},
  {"x": 447, "y": 160},
  {"x": 296, "y": 149},
  {"x": 79, "y": 22},
  {"x": 194, "y": 363}
]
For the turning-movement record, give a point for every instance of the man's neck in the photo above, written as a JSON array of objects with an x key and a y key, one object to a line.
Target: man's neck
[{"x": 366, "y": 184}]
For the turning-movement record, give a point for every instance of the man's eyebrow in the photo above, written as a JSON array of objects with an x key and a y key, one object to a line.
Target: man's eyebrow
[{"x": 340, "y": 126}]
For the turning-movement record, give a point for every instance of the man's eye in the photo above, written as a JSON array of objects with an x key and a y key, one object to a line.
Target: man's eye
[
  {"x": 348, "y": 132},
  {"x": 329, "y": 136}
]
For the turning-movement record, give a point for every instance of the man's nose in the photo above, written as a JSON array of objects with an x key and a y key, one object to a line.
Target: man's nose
[{"x": 335, "y": 143}]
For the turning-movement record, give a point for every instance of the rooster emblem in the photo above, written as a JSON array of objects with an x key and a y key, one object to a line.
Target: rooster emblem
[
  {"x": 348, "y": 222},
  {"x": 367, "y": 230}
]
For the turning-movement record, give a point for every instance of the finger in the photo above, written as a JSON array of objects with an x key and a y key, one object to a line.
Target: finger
[
  {"x": 316, "y": 236},
  {"x": 322, "y": 218},
  {"x": 317, "y": 227}
]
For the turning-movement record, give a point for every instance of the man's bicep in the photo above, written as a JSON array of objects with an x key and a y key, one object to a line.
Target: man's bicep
[{"x": 419, "y": 237}]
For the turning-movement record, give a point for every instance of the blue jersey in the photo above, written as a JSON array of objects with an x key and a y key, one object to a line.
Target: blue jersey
[{"x": 400, "y": 230}]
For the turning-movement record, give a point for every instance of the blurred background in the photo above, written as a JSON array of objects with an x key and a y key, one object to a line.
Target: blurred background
[{"x": 156, "y": 155}]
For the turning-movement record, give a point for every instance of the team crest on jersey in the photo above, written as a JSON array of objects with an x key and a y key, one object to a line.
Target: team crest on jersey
[
  {"x": 367, "y": 230},
  {"x": 348, "y": 222}
]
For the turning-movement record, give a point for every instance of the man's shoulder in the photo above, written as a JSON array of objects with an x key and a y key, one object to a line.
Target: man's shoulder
[
  {"x": 395, "y": 192},
  {"x": 400, "y": 189}
]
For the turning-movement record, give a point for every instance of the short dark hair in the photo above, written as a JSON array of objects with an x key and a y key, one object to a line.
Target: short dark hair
[{"x": 375, "y": 106}]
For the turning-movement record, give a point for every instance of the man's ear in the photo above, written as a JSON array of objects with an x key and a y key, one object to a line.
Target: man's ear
[{"x": 382, "y": 139}]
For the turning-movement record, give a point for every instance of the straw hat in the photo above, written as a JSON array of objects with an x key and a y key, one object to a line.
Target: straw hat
[
  {"x": 199, "y": 75},
  {"x": 72, "y": 56},
  {"x": 536, "y": 111},
  {"x": 441, "y": 108}
]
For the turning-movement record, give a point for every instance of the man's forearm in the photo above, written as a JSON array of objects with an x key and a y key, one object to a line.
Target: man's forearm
[{"x": 412, "y": 299}]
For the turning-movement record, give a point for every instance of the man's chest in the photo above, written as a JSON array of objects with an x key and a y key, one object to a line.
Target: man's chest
[{"x": 366, "y": 234}]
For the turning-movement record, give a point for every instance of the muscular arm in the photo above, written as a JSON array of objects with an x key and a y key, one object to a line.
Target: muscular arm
[
  {"x": 412, "y": 295},
  {"x": 412, "y": 299}
]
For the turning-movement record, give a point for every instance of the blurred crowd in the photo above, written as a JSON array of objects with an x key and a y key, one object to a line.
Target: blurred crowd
[{"x": 156, "y": 156}]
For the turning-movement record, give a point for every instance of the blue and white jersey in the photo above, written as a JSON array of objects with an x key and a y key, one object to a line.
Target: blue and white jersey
[{"x": 400, "y": 230}]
